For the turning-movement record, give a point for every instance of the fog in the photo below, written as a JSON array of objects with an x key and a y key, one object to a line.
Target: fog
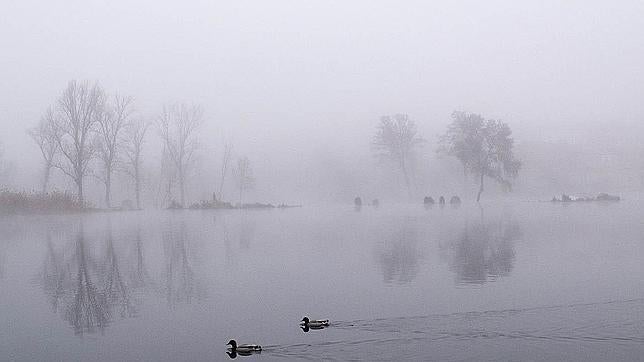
[
  {"x": 299, "y": 88},
  {"x": 321, "y": 180}
]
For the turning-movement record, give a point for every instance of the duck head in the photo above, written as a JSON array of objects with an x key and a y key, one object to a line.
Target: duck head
[{"x": 232, "y": 344}]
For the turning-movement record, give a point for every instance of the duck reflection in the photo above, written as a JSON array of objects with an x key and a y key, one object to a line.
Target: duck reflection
[
  {"x": 398, "y": 254},
  {"x": 307, "y": 328},
  {"x": 234, "y": 354},
  {"x": 483, "y": 252}
]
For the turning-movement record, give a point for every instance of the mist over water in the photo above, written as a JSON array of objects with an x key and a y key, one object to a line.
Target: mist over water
[
  {"x": 400, "y": 283},
  {"x": 456, "y": 180}
]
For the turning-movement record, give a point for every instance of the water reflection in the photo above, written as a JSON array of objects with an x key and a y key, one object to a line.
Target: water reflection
[
  {"x": 139, "y": 276},
  {"x": 398, "y": 253},
  {"x": 116, "y": 292},
  {"x": 88, "y": 294},
  {"x": 307, "y": 328},
  {"x": 234, "y": 354},
  {"x": 3, "y": 261},
  {"x": 483, "y": 252},
  {"x": 179, "y": 276},
  {"x": 53, "y": 275},
  {"x": 88, "y": 309},
  {"x": 246, "y": 230}
]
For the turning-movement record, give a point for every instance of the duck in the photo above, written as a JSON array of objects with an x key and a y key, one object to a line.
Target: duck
[
  {"x": 243, "y": 348},
  {"x": 314, "y": 323}
]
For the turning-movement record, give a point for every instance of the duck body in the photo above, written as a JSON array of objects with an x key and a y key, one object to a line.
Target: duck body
[
  {"x": 243, "y": 348},
  {"x": 314, "y": 323}
]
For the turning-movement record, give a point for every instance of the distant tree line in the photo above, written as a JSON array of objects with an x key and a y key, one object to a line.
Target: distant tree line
[
  {"x": 90, "y": 133},
  {"x": 484, "y": 147}
]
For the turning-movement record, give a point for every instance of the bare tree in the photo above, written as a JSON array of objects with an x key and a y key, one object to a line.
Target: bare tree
[
  {"x": 178, "y": 125},
  {"x": 243, "y": 174},
  {"x": 111, "y": 122},
  {"x": 134, "y": 139},
  {"x": 397, "y": 139},
  {"x": 79, "y": 107},
  {"x": 225, "y": 161},
  {"x": 45, "y": 137}
]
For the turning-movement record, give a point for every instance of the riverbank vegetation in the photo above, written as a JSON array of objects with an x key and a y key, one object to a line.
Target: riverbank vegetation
[{"x": 12, "y": 202}]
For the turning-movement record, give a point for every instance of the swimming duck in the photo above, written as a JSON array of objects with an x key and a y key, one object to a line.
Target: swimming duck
[
  {"x": 243, "y": 348},
  {"x": 314, "y": 323}
]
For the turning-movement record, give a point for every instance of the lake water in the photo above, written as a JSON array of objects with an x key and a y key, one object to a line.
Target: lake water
[{"x": 515, "y": 281}]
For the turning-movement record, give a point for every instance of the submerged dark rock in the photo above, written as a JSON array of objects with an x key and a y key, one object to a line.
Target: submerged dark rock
[
  {"x": 357, "y": 201},
  {"x": 428, "y": 200},
  {"x": 455, "y": 200}
]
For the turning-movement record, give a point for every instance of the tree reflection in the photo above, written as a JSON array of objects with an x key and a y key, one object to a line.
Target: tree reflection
[
  {"x": 53, "y": 275},
  {"x": 180, "y": 279},
  {"x": 246, "y": 231},
  {"x": 88, "y": 309},
  {"x": 484, "y": 252},
  {"x": 139, "y": 276},
  {"x": 86, "y": 295},
  {"x": 116, "y": 292},
  {"x": 398, "y": 255},
  {"x": 3, "y": 261}
]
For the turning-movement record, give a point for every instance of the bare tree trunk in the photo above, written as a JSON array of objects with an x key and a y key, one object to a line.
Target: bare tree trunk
[
  {"x": 224, "y": 169},
  {"x": 46, "y": 178},
  {"x": 108, "y": 187},
  {"x": 137, "y": 187},
  {"x": 182, "y": 189},
  {"x": 478, "y": 197},
  {"x": 79, "y": 184},
  {"x": 406, "y": 177}
]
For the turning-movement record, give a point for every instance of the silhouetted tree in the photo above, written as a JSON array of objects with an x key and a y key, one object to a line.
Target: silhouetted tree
[
  {"x": 134, "y": 138},
  {"x": 178, "y": 125},
  {"x": 111, "y": 122},
  {"x": 243, "y": 176},
  {"x": 396, "y": 139},
  {"x": 78, "y": 109},
  {"x": 45, "y": 137},
  {"x": 484, "y": 147}
]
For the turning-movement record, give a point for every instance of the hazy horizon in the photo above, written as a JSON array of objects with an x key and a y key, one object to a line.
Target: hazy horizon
[{"x": 287, "y": 81}]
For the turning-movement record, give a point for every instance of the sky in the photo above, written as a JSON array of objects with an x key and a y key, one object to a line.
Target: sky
[{"x": 282, "y": 77}]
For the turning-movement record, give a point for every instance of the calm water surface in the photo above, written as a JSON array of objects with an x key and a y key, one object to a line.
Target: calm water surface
[{"x": 520, "y": 281}]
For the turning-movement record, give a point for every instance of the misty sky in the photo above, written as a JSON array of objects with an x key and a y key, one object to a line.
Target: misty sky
[{"x": 280, "y": 76}]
